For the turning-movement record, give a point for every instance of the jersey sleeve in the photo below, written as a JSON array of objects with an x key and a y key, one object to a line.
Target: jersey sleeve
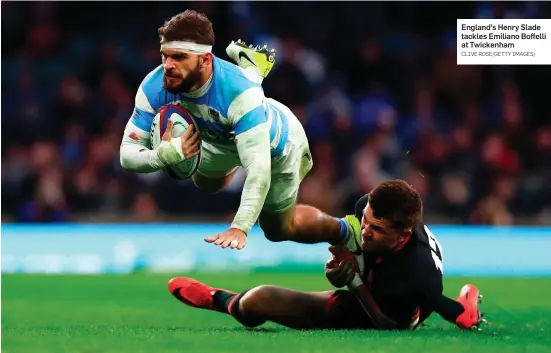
[
  {"x": 429, "y": 293},
  {"x": 247, "y": 110},
  {"x": 429, "y": 274},
  {"x": 247, "y": 115},
  {"x": 254, "y": 152},
  {"x": 431, "y": 289},
  {"x": 135, "y": 154},
  {"x": 143, "y": 113}
]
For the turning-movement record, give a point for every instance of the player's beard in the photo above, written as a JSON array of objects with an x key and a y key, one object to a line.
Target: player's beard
[{"x": 192, "y": 78}]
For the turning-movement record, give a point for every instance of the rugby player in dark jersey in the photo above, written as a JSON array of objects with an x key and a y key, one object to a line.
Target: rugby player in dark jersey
[{"x": 394, "y": 277}]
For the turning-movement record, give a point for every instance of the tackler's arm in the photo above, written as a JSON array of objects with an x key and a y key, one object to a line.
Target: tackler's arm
[{"x": 363, "y": 294}]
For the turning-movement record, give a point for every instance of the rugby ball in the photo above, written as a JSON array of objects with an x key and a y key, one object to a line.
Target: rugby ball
[{"x": 181, "y": 119}]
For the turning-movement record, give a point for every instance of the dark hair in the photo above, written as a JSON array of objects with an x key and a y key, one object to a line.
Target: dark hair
[
  {"x": 397, "y": 202},
  {"x": 189, "y": 25}
]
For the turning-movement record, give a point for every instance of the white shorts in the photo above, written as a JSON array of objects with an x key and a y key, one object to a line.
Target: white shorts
[
  {"x": 217, "y": 162},
  {"x": 288, "y": 169}
]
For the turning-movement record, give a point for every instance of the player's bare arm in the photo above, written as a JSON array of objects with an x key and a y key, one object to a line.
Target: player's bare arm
[
  {"x": 370, "y": 306},
  {"x": 343, "y": 270}
]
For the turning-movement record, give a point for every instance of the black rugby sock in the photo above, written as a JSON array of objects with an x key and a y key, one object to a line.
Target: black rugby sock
[
  {"x": 228, "y": 303},
  {"x": 222, "y": 300},
  {"x": 449, "y": 309}
]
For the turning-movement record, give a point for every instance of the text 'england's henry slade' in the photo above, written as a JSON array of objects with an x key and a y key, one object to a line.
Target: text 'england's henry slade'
[{"x": 501, "y": 27}]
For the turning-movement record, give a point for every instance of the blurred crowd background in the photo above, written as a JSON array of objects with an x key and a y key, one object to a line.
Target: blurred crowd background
[{"x": 376, "y": 86}]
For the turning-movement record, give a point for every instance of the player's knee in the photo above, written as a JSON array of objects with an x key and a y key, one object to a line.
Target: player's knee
[
  {"x": 277, "y": 227},
  {"x": 277, "y": 233},
  {"x": 272, "y": 235},
  {"x": 253, "y": 302}
]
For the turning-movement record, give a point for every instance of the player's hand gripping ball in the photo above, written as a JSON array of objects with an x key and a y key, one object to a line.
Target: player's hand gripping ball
[
  {"x": 173, "y": 133},
  {"x": 341, "y": 267}
]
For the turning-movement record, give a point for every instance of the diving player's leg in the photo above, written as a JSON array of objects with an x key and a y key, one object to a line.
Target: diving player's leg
[
  {"x": 216, "y": 169},
  {"x": 287, "y": 307},
  {"x": 300, "y": 223},
  {"x": 212, "y": 185},
  {"x": 281, "y": 218}
]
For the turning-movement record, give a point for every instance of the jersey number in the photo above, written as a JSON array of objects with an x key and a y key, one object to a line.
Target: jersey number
[{"x": 435, "y": 250}]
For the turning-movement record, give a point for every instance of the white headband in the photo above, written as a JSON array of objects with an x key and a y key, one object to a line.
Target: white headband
[{"x": 188, "y": 47}]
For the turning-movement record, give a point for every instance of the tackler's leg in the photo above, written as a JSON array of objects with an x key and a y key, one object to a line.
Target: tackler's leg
[
  {"x": 464, "y": 311},
  {"x": 287, "y": 307},
  {"x": 299, "y": 310},
  {"x": 471, "y": 317}
]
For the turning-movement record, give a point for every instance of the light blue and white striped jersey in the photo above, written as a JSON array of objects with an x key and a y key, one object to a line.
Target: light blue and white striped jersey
[{"x": 229, "y": 104}]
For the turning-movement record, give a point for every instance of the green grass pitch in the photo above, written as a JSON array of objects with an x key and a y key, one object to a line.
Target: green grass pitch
[{"x": 136, "y": 314}]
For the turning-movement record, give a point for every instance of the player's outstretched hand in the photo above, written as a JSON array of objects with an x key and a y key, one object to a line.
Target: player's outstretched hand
[{"x": 233, "y": 237}]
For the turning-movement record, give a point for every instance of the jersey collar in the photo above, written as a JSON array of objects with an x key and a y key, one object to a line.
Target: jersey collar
[
  {"x": 401, "y": 245},
  {"x": 202, "y": 90}
]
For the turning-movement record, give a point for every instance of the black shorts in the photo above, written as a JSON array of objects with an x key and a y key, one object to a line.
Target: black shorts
[{"x": 344, "y": 312}]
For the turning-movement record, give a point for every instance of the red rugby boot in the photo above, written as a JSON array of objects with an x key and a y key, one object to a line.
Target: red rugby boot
[
  {"x": 193, "y": 293},
  {"x": 470, "y": 297}
]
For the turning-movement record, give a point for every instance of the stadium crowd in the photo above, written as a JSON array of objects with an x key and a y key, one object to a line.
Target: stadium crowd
[{"x": 376, "y": 86}]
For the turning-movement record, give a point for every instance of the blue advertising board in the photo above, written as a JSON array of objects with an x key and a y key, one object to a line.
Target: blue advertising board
[{"x": 94, "y": 249}]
